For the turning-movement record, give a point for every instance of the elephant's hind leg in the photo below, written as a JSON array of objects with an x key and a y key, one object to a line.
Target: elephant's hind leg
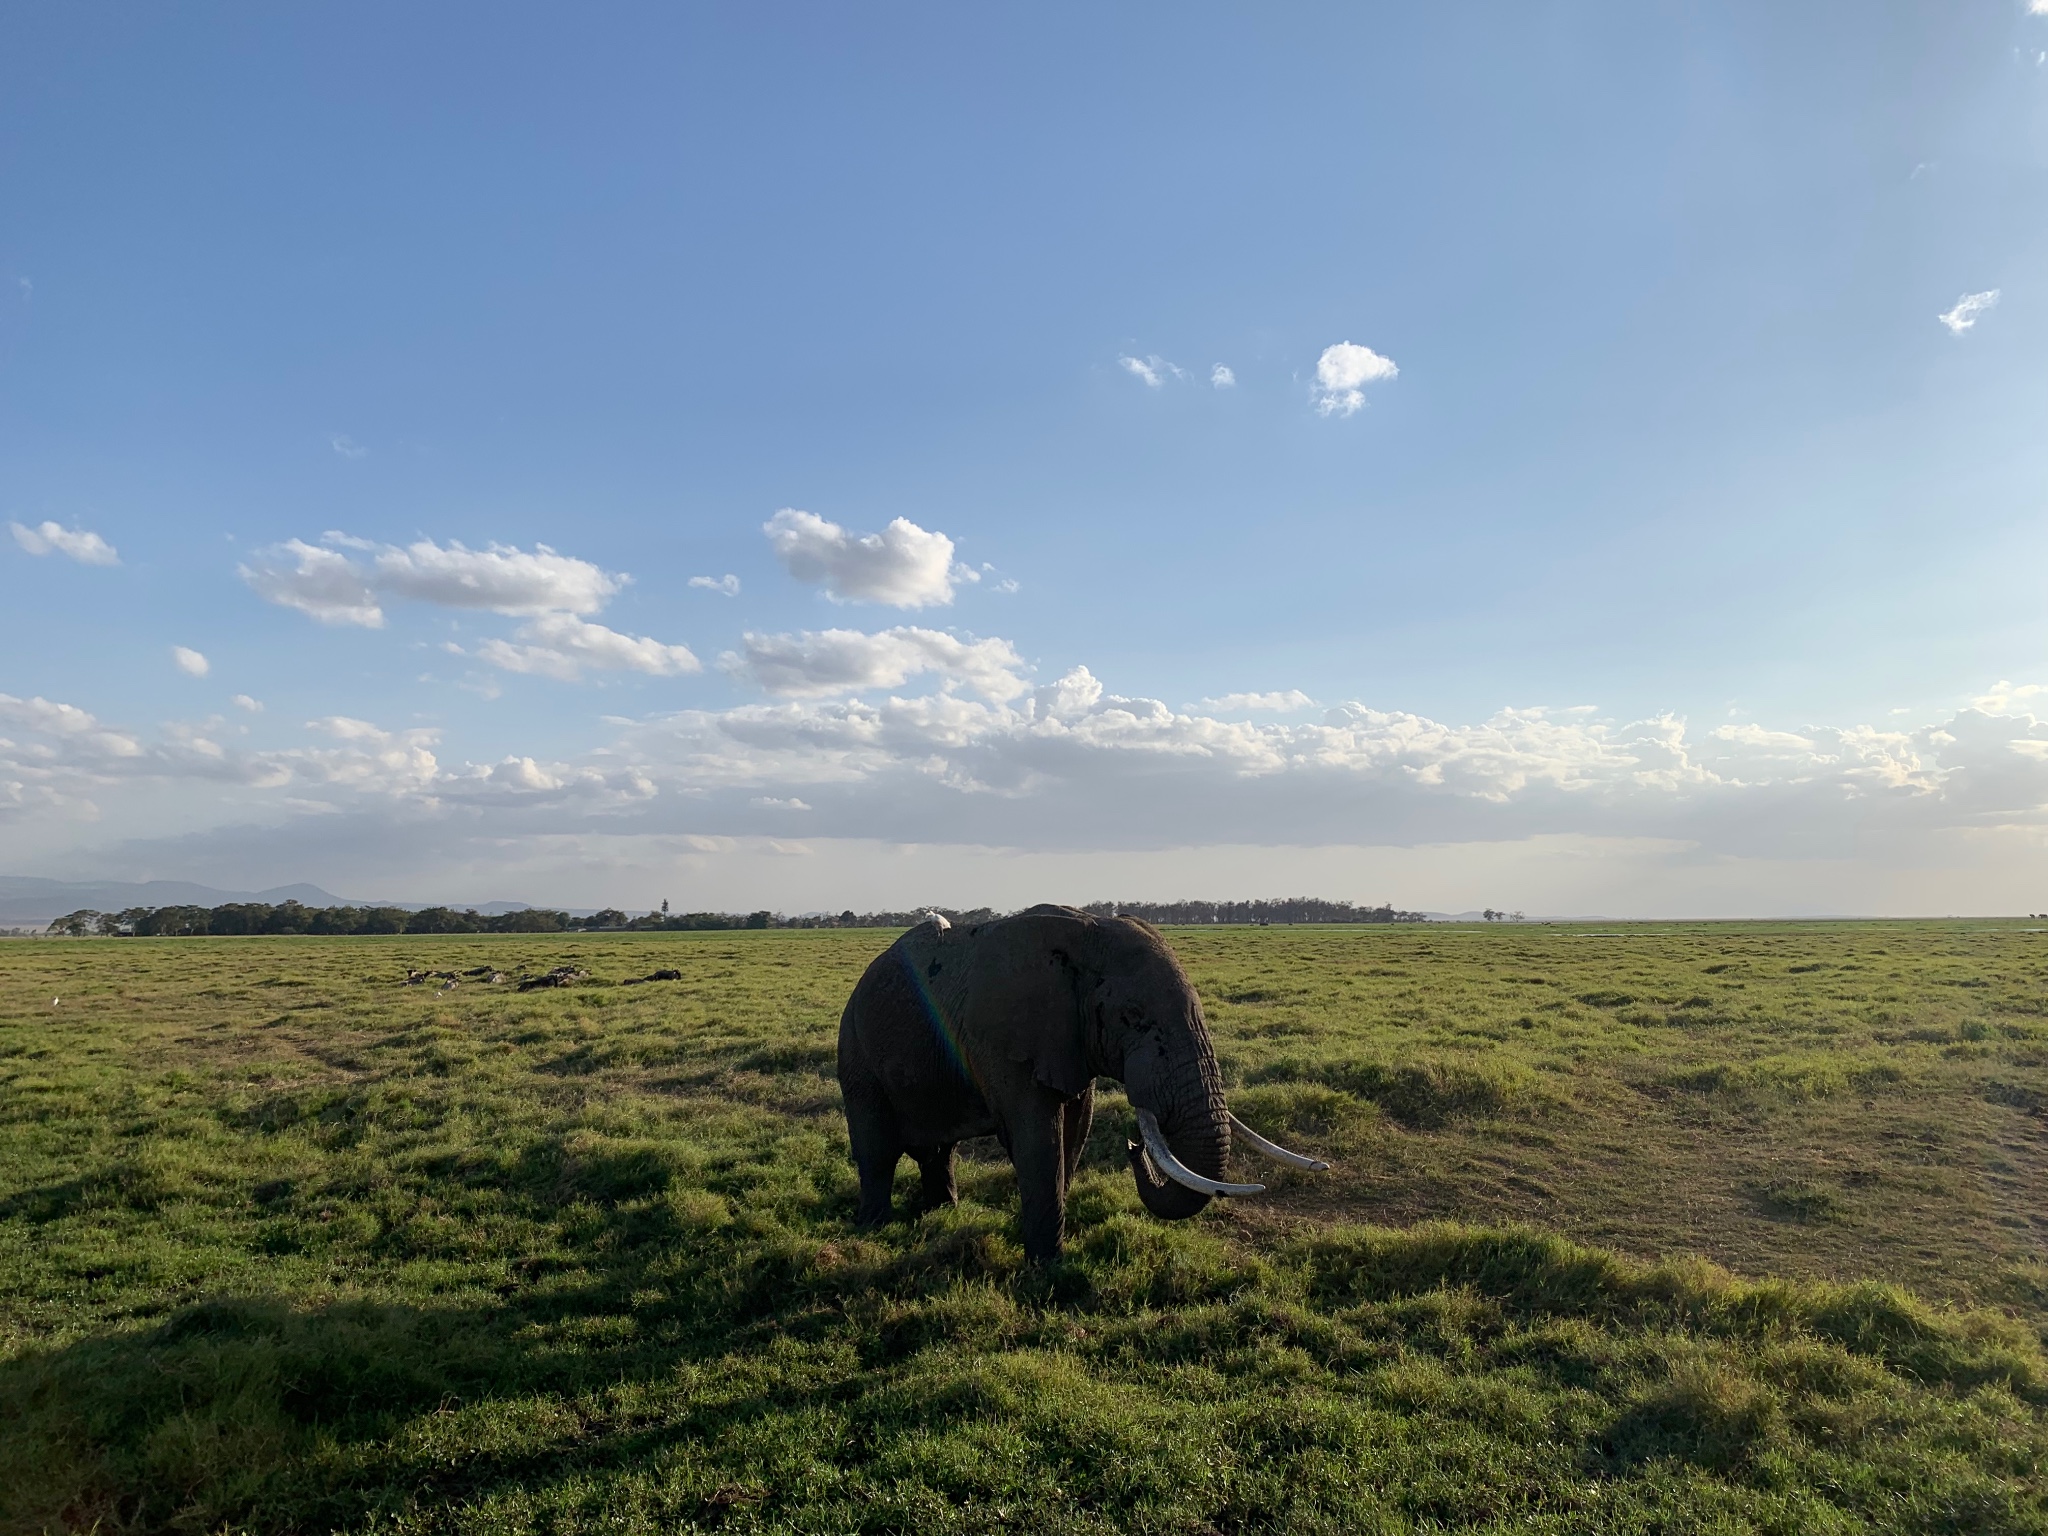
[
  {"x": 936, "y": 1166},
  {"x": 871, "y": 1128},
  {"x": 874, "y": 1159}
]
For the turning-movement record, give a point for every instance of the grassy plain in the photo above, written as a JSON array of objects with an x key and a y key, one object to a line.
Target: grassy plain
[{"x": 1721, "y": 1228}]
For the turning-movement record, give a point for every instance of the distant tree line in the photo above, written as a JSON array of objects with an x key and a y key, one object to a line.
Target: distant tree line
[
  {"x": 247, "y": 917},
  {"x": 251, "y": 917},
  {"x": 1289, "y": 909}
]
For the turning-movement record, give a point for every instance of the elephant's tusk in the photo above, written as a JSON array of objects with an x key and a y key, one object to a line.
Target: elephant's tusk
[
  {"x": 1275, "y": 1151},
  {"x": 1164, "y": 1160}
]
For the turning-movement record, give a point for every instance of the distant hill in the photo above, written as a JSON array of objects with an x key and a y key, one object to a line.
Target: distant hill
[{"x": 26, "y": 902}]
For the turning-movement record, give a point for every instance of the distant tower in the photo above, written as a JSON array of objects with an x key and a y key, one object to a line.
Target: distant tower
[{"x": 664, "y": 906}]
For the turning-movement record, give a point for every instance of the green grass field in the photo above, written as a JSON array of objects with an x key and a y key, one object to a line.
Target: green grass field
[{"x": 1661, "y": 1228}]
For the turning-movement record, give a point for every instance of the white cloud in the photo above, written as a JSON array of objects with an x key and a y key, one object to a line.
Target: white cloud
[
  {"x": 1072, "y": 770},
  {"x": 560, "y": 645},
  {"x": 501, "y": 578},
  {"x": 1341, "y": 374},
  {"x": 243, "y": 701},
  {"x": 1273, "y": 703},
  {"x": 727, "y": 584},
  {"x": 903, "y": 566},
  {"x": 2002, "y": 696},
  {"x": 2037, "y": 7},
  {"x": 321, "y": 582},
  {"x": 367, "y": 758},
  {"x": 1968, "y": 308},
  {"x": 1151, "y": 370},
  {"x": 549, "y": 589},
  {"x": 346, "y": 446},
  {"x": 1221, "y": 377},
  {"x": 337, "y": 589},
  {"x": 53, "y": 755},
  {"x": 55, "y": 539},
  {"x": 190, "y": 662},
  {"x": 1075, "y": 766},
  {"x": 817, "y": 664}
]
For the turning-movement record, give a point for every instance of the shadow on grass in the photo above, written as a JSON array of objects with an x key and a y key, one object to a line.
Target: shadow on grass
[{"x": 680, "y": 1326}]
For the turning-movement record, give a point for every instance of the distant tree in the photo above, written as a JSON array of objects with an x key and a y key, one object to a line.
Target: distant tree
[
  {"x": 530, "y": 920},
  {"x": 442, "y": 920},
  {"x": 289, "y": 917},
  {"x": 169, "y": 922},
  {"x": 338, "y": 920}
]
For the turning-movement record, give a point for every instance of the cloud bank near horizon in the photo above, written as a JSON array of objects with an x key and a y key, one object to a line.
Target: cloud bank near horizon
[{"x": 1063, "y": 771}]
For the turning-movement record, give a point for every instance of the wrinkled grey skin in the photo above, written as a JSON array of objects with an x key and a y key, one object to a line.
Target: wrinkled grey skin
[{"x": 1001, "y": 1029}]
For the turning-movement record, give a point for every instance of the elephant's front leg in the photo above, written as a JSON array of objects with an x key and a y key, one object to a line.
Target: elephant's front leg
[
  {"x": 1079, "y": 1113},
  {"x": 1038, "y": 1150}
]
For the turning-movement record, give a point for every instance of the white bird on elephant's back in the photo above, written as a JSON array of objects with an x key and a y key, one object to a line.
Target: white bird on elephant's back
[{"x": 1002, "y": 1029}]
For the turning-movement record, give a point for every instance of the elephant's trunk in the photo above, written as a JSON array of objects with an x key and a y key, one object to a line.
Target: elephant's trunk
[{"x": 1172, "y": 1077}]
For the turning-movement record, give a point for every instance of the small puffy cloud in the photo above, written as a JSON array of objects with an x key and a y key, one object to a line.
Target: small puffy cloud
[
  {"x": 1968, "y": 308},
  {"x": 775, "y": 803},
  {"x": 190, "y": 662},
  {"x": 817, "y": 664},
  {"x": 562, "y": 646},
  {"x": 1342, "y": 373},
  {"x": 243, "y": 701},
  {"x": 1271, "y": 703},
  {"x": 728, "y": 584},
  {"x": 903, "y": 566},
  {"x": 2034, "y": 8},
  {"x": 321, "y": 582},
  {"x": 346, "y": 446},
  {"x": 1221, "y": 377},
  {"x": 55, "y": 539},
  {"x": 1153, "y": 370}
]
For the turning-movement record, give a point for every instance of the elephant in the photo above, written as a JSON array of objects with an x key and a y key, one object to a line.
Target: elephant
[{"x": 1002, "y": 1029}]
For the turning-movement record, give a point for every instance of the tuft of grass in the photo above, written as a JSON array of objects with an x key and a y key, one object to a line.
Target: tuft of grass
[
  {"x": 1798, "y": 1200},
  {"x": 1425, "y": 1094}
]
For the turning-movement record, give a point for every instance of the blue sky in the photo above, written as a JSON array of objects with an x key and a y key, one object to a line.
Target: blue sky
[{"x": 1662, "y": 550}]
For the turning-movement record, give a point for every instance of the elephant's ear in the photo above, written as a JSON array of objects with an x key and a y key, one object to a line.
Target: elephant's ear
[{"x": 1057, "y": 1046}]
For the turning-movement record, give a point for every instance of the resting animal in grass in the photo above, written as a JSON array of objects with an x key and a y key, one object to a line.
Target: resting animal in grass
[{"x": 1001, "y": 1029}]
